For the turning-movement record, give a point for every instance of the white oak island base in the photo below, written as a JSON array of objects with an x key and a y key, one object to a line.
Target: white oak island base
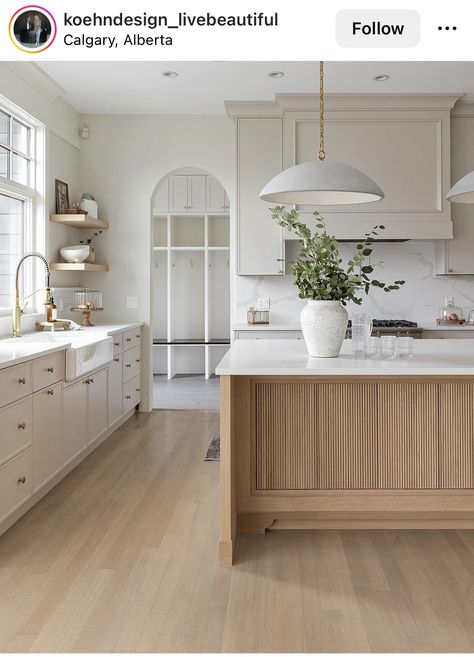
[{"x": 367, "y": 451}]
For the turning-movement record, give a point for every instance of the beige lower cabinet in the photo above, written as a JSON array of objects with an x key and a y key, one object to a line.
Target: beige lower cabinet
[
  {"x": 97, "y": 405},
  {"x": 15, "y": 483},
  {"x": 114, "y": 389},
  {"x": 48, "y": 450},
  {"x": 75, "y": 419}
]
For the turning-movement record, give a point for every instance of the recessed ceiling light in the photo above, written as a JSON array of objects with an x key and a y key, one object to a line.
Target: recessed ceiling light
[
  {"x": 276, "y": 74},
  {"x": 381, "y": 78},
  {"x": 169, "y": 74}
]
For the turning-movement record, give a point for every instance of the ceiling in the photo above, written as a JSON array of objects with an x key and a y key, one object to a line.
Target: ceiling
[{"x": 202, "y": 87}]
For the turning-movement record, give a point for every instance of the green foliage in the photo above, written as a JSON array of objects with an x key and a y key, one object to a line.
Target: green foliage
[{"x": 319, "y": 271}]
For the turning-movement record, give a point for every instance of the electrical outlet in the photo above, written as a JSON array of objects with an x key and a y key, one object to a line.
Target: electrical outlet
[
  {"x": 132, "y": 302},
  {"x": 263, "y": 303}
]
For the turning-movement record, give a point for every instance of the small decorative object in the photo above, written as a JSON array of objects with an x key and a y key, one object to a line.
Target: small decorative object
[
  {"x": 85, "y": 302},
  {"x": 449, "y": 313},
  {"x": 258, "y": 316},
  {"x": 88, "y": 241},
  {"x": 88, "y": 203},
  {"x": 76, "y": 253},
  {"x": 324, "y": 281},
  {"x": 76, "y": 210},
  {"x": 62, "y": 196}
]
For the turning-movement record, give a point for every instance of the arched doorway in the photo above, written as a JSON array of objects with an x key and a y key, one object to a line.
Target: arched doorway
[{"x": 190, "y": 288}]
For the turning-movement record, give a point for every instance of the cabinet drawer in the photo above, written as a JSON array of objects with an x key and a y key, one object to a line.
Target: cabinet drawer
[
  {"x": 48, "y": 448},
  {"x": 118, "y": 343},
  {"x": 47, "y": 370},
  {"x": 15, "y": 483},
  {"x": 131, "y": 364},
  {"x": 15, "y": 383},
  {"x": 15, "y": 423},
  {"x": 131, "y": 338},
  {"x": 131, "y": 394}
]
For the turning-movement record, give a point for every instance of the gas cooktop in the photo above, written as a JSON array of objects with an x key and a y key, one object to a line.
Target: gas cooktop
[{"x": 391, "y": 323}]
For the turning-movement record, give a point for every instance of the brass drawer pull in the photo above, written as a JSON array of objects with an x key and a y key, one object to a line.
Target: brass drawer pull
[
  {"x": 50, "y": 369},
  {"x": 138, "y": 337},
  {"x": 128, "y": 339},
  {"x": 117, "y": 360},
  {"x": 116, "y": 344},
  {"x": 22, "y": 380},
  {"x": 128, "y": 365},
  {"x": 137, "y": 389},
  {"x": 21, "y": 480},
  {"x": 138, "y": 360},
  {"x": 22, "y": 425},
  {"x": 51, "y": 392},
  {"x": 128, "y": 396}
]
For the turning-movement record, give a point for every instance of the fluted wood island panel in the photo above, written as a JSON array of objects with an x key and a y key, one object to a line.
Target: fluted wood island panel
[{"x": 369, "y": 451}]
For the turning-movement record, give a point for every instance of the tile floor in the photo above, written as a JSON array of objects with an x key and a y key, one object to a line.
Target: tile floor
[{"x": 191, "y": 392}]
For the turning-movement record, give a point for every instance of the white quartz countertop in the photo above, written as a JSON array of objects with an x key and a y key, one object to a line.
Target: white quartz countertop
[
  {"x": 290, "y": 358},
  {"x": 296, "y": 327},
  {"x": 14, "y": 351}
]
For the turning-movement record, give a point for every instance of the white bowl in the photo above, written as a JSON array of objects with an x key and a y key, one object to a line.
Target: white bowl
[{"x": 76, "y": 253}]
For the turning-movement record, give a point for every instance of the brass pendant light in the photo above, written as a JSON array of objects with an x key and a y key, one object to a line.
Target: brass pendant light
[{"x": 321, "y": 182}]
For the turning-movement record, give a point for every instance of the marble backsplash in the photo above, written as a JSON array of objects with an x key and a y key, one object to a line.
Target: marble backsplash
[{"x": 418, "y": 300}]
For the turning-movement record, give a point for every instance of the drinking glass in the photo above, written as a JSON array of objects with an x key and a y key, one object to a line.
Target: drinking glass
[
  {"x": 405, "y": 347},
  {"x": 361, "y": 328},
  {"x": 372, "y": 346},
  {"x": 387, "y": 346}
]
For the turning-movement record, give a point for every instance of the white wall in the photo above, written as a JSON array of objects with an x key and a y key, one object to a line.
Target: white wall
[{"x": 121, "y": 164}]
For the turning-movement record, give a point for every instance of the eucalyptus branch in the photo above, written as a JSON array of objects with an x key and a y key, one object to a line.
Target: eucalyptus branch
[{"x": 319, "y": 271}]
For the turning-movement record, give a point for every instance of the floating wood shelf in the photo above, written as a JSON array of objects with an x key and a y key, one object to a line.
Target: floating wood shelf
[
  {"x": 78, "y": 221},
  {"x": 77, "y": 266}
]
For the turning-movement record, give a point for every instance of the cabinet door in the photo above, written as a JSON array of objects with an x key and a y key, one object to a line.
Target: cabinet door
[
  {"x": 179, "y": 194},
  {"x": 75, "y": 412},
  {"x": 97, "y": 404},
  {"x": 197, "y": 193},
  {"x": 456, "y": 435},
  {"x": 216, "y": 197},
  {"x": 407, "y": 449},
  {"x": 161, "y": 198},
  {"x": 48, "y": 446},
  {"x": 260, "y": 242},
  {"x": 114, "y": 390}
]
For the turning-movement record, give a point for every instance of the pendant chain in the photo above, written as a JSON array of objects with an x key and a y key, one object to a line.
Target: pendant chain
[{"x": 321, "y": 153}]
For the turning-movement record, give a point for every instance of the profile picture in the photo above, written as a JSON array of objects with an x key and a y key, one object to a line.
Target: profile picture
[{"x": 32, "y": 29}]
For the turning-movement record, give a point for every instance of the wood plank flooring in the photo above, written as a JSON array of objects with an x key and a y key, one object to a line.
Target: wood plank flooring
[{"x": 122, "y": 556}]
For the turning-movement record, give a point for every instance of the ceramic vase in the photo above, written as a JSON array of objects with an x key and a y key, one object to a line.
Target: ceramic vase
[{"x": 324, "y": 325}]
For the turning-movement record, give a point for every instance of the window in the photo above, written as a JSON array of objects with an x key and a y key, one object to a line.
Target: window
[
  {"x": 22, "y": 226},
  {"x": 12, "y": 219},
  {"x": 15, "y": 150}
]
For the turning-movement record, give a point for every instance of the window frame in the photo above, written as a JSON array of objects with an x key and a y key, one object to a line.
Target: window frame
[{"x": 33, "y": 196}]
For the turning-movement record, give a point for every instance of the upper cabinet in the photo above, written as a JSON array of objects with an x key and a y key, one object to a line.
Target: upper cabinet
[
  {"x": 195, "y": 194},
  {"x": 455, "y": 256},
  {"x": 401, "y": 141},
  {"x": 260, "y": 244}
]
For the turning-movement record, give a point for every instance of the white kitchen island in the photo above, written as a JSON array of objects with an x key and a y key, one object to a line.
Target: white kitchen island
[{"x": 345, "y": 442}]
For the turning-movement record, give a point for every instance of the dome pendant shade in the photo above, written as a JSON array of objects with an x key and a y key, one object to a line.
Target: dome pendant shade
[
  {"x": 321, "y": 182},
  {"x": 463, "y": 190}
]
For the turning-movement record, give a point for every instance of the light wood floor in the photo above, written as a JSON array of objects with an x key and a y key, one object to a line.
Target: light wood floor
[{"x": 122, "y": 556}]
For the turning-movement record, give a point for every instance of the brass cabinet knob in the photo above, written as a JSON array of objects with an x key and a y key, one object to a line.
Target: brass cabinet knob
[
  {"x": 137, "y": 360},
  {"x": 50, "y": 392},
  {"x": 138, "y": 336},
  {"x": 22, "y": 380},
  {"x": 21, "y": 480},
  {"x": 50, "y": 369},
  {"x": 128, "y": 339},
  {"x": 117, "y": 360},
  {"x": 128, "y": 396},
  {"x": 137, "y": 389},
  {"x": 91, "y": 380},
  {"x": 128, "y": 365},
  {"x": 116, "y": 344},
  {"x": 22, "y": 425}
]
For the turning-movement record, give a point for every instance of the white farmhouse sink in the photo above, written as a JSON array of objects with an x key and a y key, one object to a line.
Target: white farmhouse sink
[{"x": 86, "y": 352}]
